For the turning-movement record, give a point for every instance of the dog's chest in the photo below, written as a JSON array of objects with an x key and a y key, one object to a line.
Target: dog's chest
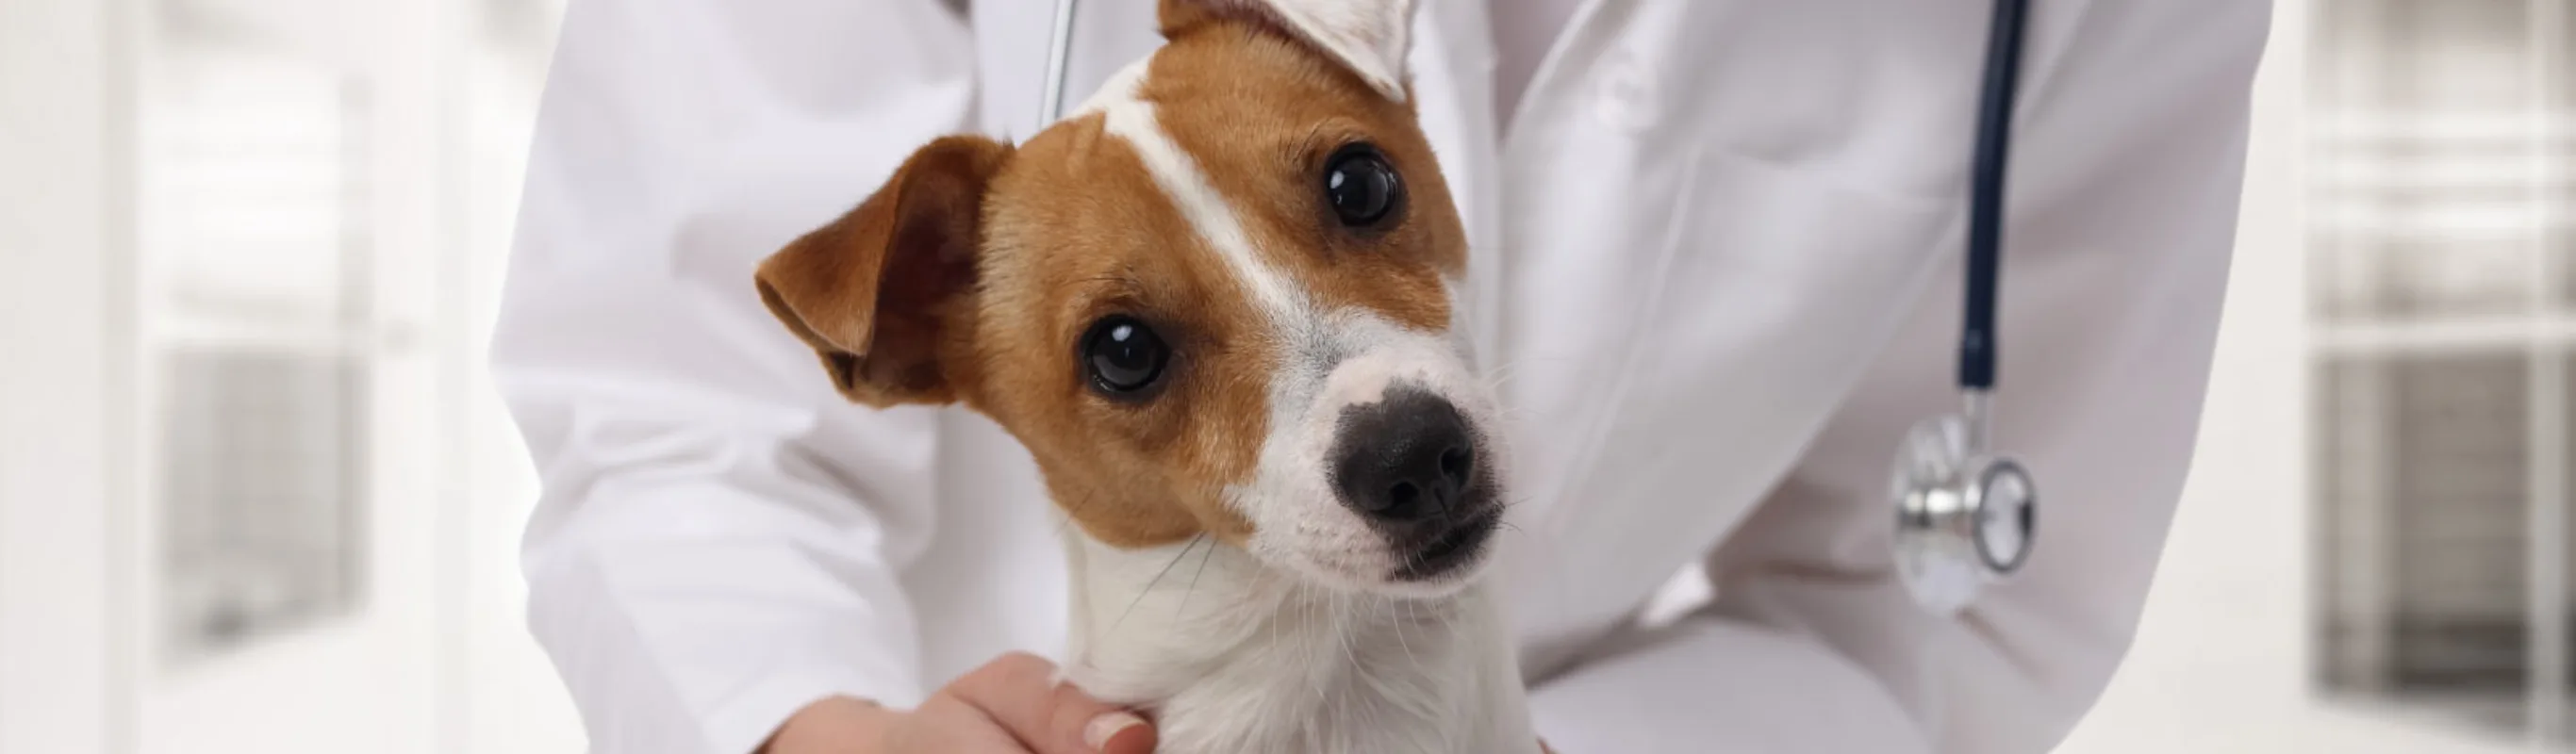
[
  {"x": 1396, "y": 681},
  {"x": 1337, "y": 676},
  {"x": 1234, "y": 660}
]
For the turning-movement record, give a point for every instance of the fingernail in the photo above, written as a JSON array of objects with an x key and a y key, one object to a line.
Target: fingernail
[{"x": 1097, "y": 734}]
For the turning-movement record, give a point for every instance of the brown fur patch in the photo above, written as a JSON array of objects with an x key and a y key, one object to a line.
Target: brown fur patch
[
  {"x": 1077, "y": 231},
  {"x": 1262, "y": 114}
]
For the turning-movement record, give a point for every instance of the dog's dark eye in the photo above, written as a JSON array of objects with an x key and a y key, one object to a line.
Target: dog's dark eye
[
  {"x": 1362, "y": 188},
  {"x": 1122, "y": 355}
]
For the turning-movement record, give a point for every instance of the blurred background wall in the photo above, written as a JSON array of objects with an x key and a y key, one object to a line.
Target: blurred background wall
[{"x": 256, "y": 494}]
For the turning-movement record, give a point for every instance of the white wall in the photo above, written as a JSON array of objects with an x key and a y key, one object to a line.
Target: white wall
[{"x": 56, "y": 619}]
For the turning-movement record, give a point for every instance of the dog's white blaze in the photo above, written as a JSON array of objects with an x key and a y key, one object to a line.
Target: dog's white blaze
[
  {"x": 1130, "y": 118},
  {"x": 1294, "y": 512}
]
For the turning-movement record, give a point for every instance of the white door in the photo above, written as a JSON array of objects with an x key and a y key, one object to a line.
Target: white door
[
  {"x": 255, "y": 492},
  {"x": 282, "y": 570}
]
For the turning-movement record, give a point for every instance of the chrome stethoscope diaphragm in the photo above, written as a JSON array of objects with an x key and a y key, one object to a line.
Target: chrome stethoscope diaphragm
[{"x": 1964, "y": 517}]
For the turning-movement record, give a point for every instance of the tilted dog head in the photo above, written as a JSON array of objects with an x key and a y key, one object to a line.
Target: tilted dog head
[{"x": 1216, "y": 300}]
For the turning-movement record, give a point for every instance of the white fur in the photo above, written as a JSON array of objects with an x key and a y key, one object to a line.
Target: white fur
[
  {"x": 1298, "y": 521},
  {"x": 1178, "y": 175},
  {"x": 1236, "y": 657},
  {"x": 1302, "y": 642}
]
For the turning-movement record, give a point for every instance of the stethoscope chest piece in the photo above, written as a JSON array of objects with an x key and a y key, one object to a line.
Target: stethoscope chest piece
[
  {"x": 1964, "y": 518},
  {"x": 1964, "y": 515}
]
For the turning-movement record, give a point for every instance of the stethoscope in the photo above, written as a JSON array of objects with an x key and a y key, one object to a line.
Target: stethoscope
[{"x": 1965, "y": 515}]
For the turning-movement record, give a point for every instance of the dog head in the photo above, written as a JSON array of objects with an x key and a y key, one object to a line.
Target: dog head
[{"x": 1216, "y": 300}]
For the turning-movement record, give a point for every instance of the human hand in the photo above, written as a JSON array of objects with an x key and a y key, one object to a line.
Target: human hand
[{"x": 1011, "y": 705}]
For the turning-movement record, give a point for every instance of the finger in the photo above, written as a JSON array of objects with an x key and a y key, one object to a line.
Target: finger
[
  {"x": 1020, "y": 692},
  {"x": 829, "y": 724},
  {"x": 948, "y": 725}
]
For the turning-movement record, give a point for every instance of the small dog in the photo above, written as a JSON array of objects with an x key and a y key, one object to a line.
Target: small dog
[{"x": 1216, "y": 305}]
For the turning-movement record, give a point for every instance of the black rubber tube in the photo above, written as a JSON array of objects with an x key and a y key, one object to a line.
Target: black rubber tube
[{"x": 1977, "y": 344}]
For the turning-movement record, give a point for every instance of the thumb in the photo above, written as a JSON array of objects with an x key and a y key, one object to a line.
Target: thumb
[{"x": 1020, "y": 692}]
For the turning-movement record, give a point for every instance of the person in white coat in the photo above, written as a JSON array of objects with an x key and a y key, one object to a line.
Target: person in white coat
[{"x": 1715, "y": 265}]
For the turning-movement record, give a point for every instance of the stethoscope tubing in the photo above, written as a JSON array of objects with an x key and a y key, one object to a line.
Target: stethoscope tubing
[
  {"x": 1988, "y": 166},
  {"x": 1059, "y": 59}
]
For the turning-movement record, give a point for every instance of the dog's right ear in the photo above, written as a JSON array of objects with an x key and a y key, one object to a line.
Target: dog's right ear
[
  {"x": 1369, "y": 37},
  {"x": 874, "y": 292}
]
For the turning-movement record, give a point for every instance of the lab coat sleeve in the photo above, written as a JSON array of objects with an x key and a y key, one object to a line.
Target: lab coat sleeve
[
  {"x": 2130, "y": 161},
  {"x": 719, "y": 538}
]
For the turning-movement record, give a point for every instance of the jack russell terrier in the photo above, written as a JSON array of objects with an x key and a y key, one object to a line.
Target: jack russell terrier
[{"x": 1215, "y": 304}]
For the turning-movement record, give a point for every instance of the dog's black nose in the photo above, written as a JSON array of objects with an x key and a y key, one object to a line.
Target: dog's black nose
[{"x": 1406, "y": 458}]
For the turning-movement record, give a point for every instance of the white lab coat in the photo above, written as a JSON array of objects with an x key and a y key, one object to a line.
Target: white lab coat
[{"x": 1715, "y": 266}]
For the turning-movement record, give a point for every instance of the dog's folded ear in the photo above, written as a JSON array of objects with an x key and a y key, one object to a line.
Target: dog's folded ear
[
  {"x": 1370, "y": 37},
  {"x": 874, "y": 291}
]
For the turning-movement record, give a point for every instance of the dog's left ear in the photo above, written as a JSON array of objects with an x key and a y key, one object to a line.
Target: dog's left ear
[{"x": 1370, "y": 37}]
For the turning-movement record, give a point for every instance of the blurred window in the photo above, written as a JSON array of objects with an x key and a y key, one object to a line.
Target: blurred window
[
  {"x": 2442, "y": 318},
  {"x": 252, "y": 305}
]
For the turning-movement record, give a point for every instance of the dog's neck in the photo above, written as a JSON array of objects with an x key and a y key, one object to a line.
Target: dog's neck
[{"x": 1235, "y": 657}]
